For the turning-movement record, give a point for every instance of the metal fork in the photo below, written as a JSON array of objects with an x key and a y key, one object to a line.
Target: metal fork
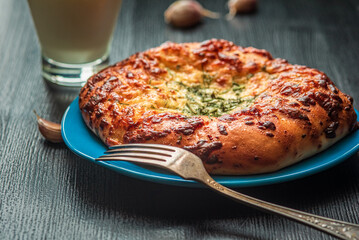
[{"x": 189, "y": 166}]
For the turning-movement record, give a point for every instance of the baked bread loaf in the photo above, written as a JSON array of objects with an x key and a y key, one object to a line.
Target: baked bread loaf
[{"x": 238, "y": 109}]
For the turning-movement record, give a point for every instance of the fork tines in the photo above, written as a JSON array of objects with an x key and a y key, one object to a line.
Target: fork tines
[
  {"x": 150, "y": 146},
  {"x": 139, "y": 153}
]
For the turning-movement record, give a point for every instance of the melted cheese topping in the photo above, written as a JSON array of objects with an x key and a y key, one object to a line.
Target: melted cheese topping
[{"x": 194, "y": 92}]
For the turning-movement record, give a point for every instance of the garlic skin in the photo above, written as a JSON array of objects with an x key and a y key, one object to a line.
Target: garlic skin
[
  {"x": 49, "y": 130},
  {"x": 240, "y": 6},
  {"x": 186, "y": 13}
]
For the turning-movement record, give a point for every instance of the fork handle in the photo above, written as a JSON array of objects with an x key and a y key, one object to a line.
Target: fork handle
[{"x": 337, "y": 228}]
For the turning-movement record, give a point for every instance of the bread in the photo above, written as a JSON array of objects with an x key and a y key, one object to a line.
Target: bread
[{"x": 238, "y": 109}]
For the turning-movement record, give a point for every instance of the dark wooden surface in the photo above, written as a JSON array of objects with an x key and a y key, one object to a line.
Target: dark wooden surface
[{"x": 46, "y": 192}]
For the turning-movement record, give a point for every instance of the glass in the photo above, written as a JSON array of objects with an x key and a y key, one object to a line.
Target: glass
[{"x": 75, "y": 37}]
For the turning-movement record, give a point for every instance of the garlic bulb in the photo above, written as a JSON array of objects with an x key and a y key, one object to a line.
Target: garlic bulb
[{"x": 186, "y": 13}]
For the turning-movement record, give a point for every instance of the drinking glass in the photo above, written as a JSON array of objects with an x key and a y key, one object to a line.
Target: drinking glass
[{"x": 75, "y": 37}]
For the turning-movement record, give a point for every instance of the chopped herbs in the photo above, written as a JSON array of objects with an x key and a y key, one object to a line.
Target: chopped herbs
[
  {"x": 204, "y": 97},
  {"x": 249, "y": 75},
  {"x": 207, "y": 79},
  {"x": 202, "y": 100}
]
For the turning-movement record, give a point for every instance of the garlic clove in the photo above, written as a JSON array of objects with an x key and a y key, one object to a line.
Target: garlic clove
[
  {"x": 49, "y": 130},
  {"x": 186, "y": 13},
  {"x": 209, "y": 14},
  {"x": 240, "y": 6}
]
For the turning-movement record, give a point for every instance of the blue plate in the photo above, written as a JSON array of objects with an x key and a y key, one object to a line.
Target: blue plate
[{"x": 85, "y": 144}]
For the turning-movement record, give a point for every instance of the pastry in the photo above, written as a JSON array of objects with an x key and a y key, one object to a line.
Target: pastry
[{"x": 240, "y": 110}]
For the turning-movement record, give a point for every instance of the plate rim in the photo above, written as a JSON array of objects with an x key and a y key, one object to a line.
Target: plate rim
[{"x": 172, "y": 179}]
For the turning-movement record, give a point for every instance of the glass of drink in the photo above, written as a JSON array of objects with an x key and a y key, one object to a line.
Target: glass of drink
[{"x": 75, "y": 37}]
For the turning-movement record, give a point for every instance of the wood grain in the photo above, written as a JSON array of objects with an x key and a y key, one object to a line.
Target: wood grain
[{"x": 46, "y": 192}]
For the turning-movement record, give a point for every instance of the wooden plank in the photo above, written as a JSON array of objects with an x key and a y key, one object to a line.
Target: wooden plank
[{"x": 46, "y": 192}]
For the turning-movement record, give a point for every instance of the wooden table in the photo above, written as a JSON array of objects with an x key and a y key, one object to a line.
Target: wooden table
[{"x": 46, "y": 192}]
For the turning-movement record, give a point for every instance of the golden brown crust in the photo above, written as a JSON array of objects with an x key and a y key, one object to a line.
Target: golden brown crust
[{"x": 297, "y": 110}]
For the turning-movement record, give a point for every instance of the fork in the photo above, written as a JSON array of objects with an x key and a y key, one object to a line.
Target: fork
[{"x": 189, "y": 166}]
